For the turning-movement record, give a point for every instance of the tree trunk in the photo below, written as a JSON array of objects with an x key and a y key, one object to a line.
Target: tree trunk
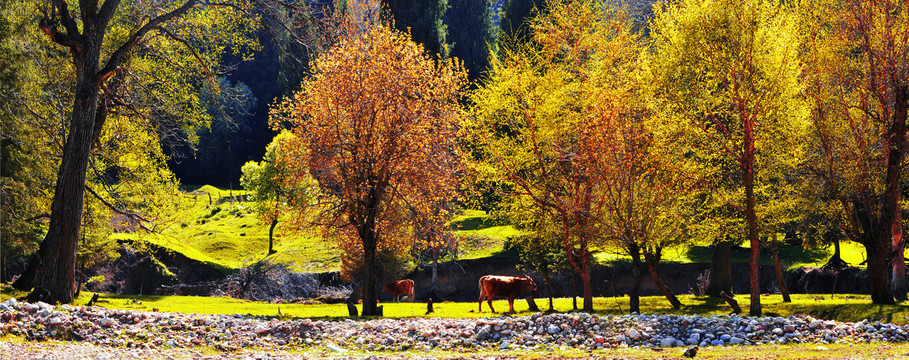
[
  {"x": 751, "y": 217},
  {"x": 26, "y": 280},
  {"x": 634, "y": 297},
  {"x": 548, "y": 280},
  {"x": 588, "y": 289},
  {"x": 878, "y": 272},
  {"x": 880, "y": 245},
  {"x": 721, "y": 269},
  {"x": 271, "y": 233},
  {"x": 435, "y": 272},
  {"x": 574, "y": 292},
  {"x": 369, "y": 278},
  {"x": 779, "y": 274},
  {"x": 898, "y": 277},
  {"x": 56, "y": 279},
  {"x": 836, "y": 260},
  {"x": 652, "y": 269}
]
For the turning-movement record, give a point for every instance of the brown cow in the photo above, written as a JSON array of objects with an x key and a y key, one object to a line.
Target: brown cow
[
  {"x": 400, "y": 288},
  {"x": 507, "y": 286}
]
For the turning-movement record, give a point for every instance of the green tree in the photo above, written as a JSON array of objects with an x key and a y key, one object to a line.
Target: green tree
[
  {"x": 471, "y": 34},
  {"x": 514, "y": 19},
  {"x": 270, "y": 186},
  {"x": 423, "y": 20},
  {"x": 728, "y": 73},
  {"x": 111, "y": 50}
]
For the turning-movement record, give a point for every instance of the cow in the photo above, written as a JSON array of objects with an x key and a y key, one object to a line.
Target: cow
[
  {"x": 400, "y": 288},
  {"x": 507, "y": 286}
]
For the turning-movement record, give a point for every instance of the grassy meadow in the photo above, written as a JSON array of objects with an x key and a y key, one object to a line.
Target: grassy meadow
[{"x": 218, "y": 227}]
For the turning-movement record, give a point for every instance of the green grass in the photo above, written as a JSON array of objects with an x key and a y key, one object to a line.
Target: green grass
[
  {"x": 224, "y": 231},
  {"x": 481, "y": 237},
  {"x": 840, "y": 307}
]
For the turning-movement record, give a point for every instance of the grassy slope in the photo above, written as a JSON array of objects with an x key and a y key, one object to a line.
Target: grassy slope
[
  {"x": 225, "y": 232},
  {"x": 215, "y": 226},
  {"x": 480, "y": 236}
]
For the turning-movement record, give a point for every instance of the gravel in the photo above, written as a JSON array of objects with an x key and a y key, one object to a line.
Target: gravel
[{"x": 100, "y": 333}]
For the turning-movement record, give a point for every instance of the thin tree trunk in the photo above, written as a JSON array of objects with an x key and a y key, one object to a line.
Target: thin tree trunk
[
  {"x": 836, "y": 260},
  {"x": 898, "y": 278},
  {"x": 720, "y": 269},
  {"x": 652, "y": 269},
  {"x": 435, "y": 272},
  {"x": 751, "y": 217},
  {"x": 271, "y": 233},
  {"x": 574, "y": 291},
  {"x": 548, "y": 280},
  {"x": 780, "y": 280}
]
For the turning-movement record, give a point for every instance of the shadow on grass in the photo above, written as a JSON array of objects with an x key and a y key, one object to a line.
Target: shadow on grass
[
  {"x": 788, "y": 254},
  {"x": 474, "y": 223}
]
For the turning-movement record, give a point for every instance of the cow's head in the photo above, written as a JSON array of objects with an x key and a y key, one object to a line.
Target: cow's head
[{"x": 529, "y": 284}]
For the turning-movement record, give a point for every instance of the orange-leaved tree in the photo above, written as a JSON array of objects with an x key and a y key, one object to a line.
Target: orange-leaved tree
[{"x": 378, "y": 123}]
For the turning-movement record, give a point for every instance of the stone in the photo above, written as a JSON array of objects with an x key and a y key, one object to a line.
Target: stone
[
  {"x": 736, "y": 341},
  {"x": 260, "y": 330},
  {"x": 483, "y": 334},
  {"x": 667, "y": 342},
  {"x": 633, "y": 334}
]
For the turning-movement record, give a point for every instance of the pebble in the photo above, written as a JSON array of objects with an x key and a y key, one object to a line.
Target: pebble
[{"x": 126, "y": 329}]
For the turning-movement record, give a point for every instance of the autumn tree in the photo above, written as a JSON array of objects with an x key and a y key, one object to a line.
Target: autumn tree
[
  {"x": 538, "y": 119},
  {"x": 728, "y": 71},
  {"x": 857, "y": 56},
  {"x": 378, "y": 123}
]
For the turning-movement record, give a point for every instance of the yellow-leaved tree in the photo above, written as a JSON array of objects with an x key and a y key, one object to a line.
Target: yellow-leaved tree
[
  {"x": 726, "y": 74},
  {"x": 561, "y": 124},
  {"x": 378, "y": 124},
  {"x": 857, "y": 83}
]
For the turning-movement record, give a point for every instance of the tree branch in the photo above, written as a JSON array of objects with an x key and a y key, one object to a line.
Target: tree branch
[
  {"x": 131, "y": 215},
  {"x": 117, "y": 57}
]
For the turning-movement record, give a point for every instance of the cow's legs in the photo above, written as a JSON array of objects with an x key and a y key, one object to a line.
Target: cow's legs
[
  {"x": 481, "y": 302},
  {"x": 511, "y": 304},
  {"x": 489, "y": 300}
]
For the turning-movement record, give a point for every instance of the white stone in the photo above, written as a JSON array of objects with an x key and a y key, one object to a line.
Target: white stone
[
  {"x": 667, "y": 342},
  {"x": 336, "y": 348},
  {"x": 633, "y": 334},
  {"x": 260, "y": 330}
]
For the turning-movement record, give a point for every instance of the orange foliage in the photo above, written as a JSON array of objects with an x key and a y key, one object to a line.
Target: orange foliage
[{"x": 378, "y": 127}]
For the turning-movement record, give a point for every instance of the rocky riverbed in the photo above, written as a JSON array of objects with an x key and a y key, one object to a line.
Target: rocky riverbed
[{"x": 150, "y": 332}]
